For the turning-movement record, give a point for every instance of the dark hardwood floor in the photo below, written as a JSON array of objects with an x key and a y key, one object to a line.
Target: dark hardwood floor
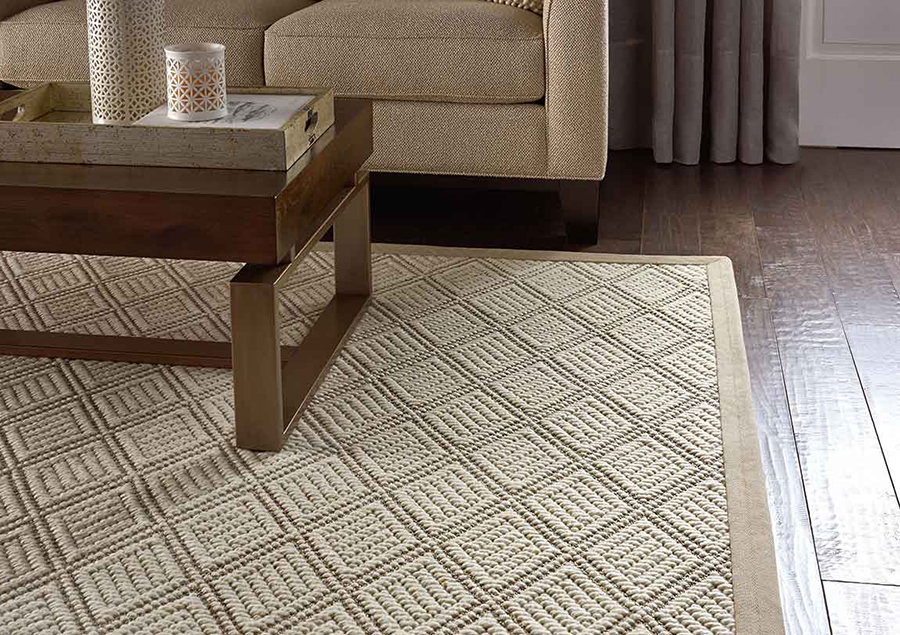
[{"x": 816, "y": 250}]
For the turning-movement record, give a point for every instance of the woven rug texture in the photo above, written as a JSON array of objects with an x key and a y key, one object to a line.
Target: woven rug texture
[{"x": 504, "y": 446}]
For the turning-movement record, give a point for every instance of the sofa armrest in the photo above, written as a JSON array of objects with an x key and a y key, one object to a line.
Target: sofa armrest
[
  {"x": 576, "y": 40},
  {"x": 9, "y": 8}
]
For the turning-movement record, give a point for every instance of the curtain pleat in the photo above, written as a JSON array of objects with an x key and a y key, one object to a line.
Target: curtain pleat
[
  {"x": 744, "y": 99},
  {"x": 783, "y": 105},
  {"x": 663, "y": 79},
  {"x": 725, "y": 79},
  {"x": 753, "y": 73},
  {"x": 690, "y": 48}
]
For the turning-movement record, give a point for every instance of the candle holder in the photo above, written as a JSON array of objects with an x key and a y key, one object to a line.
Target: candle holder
[{"x": 195, "y": 82}]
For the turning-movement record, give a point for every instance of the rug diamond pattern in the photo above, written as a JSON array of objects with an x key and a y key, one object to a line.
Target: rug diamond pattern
[{"x": 503, "y": 446}]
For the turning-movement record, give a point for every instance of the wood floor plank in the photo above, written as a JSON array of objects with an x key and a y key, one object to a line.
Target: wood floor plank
[
  {"x": 863, "y": 609},
  {"x": 776, "y": 203},
  {"x": 613, "y": 246},
  {"x": 837, "y": 190},
  {"x": 854, "y": 513},
  {"x": 876, "y": 351},
  {"x": 671, "y": 218},
  {"x": 802, "y": 598},
  {"x": 874, "y": 180},
  {"x": 892, "y": 264},
  {"x": 853, "y": 510},
  {"x": 727, "y": 227}
]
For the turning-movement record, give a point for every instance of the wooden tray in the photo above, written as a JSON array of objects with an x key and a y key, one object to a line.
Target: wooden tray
[{"x": 53, "y": 125}]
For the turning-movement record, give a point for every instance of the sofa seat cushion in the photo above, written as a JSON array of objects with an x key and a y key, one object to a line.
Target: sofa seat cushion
[
  {"x": 424, "y": 50},
  {"x": 529, "y": 5},
  {"x": 49, "y": 42}
]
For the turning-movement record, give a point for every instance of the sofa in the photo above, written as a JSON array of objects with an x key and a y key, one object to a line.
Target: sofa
[{"x": 462, "y": 87}]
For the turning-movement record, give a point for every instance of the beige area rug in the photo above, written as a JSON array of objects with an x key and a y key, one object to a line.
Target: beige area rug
[{"x": 505, "y": 446}]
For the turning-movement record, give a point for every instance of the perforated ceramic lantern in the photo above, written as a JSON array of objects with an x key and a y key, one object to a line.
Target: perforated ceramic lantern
[
  {"x": 127, "y": 62},
  {"x": 195, "y": 82}
]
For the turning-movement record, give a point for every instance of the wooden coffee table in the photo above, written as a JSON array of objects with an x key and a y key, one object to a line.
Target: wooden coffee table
[{"x": 268, "y": 219}]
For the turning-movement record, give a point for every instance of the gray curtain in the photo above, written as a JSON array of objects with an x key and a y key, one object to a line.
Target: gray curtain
[{"x": 706, "y": 78}]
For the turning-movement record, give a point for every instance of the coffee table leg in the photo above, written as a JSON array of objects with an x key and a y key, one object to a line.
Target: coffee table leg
[
  {"x": 353, "y": 247},
  {"x": 269, "y": 394},
  {"x": 256, "y": 361}
]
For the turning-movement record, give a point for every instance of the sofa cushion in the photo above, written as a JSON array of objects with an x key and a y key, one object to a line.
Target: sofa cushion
[
  {"x": 425, "y": 50},
  {"x": 12, "y": 7},
  {"x": 529, "y": 5},
  {"x": 49, "y": 42}
]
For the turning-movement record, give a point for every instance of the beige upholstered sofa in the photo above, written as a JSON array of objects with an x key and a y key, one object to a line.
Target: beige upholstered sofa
[{"x": 460, "y": 86}]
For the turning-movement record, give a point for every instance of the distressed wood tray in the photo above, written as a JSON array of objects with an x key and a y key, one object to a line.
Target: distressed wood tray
[{"x": 53, "y": 125}]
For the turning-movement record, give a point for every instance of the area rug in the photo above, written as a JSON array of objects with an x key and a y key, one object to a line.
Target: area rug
[{"x": 512, "y": 442}]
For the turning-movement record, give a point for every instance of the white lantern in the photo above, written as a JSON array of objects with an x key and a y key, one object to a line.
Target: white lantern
[
  {"x": 127, "y": 61},
  {"x": 195, "y": 82}
]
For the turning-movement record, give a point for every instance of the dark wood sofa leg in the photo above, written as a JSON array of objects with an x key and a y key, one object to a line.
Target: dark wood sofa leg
[{"x": 580, "y": 201}]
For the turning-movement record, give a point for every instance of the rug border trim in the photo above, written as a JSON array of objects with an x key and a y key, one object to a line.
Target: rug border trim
[
  {"x": 757, "y": 599},
  {"x": 528, "y": 254}
]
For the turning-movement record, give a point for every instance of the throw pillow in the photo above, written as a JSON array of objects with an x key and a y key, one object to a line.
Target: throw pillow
[{"x": 529, "y": 5}]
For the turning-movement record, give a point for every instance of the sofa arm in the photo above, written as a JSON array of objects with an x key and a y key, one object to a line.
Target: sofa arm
[
  {"x": 576, "y": 41},
  {"x": 9, "y": 8}
]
